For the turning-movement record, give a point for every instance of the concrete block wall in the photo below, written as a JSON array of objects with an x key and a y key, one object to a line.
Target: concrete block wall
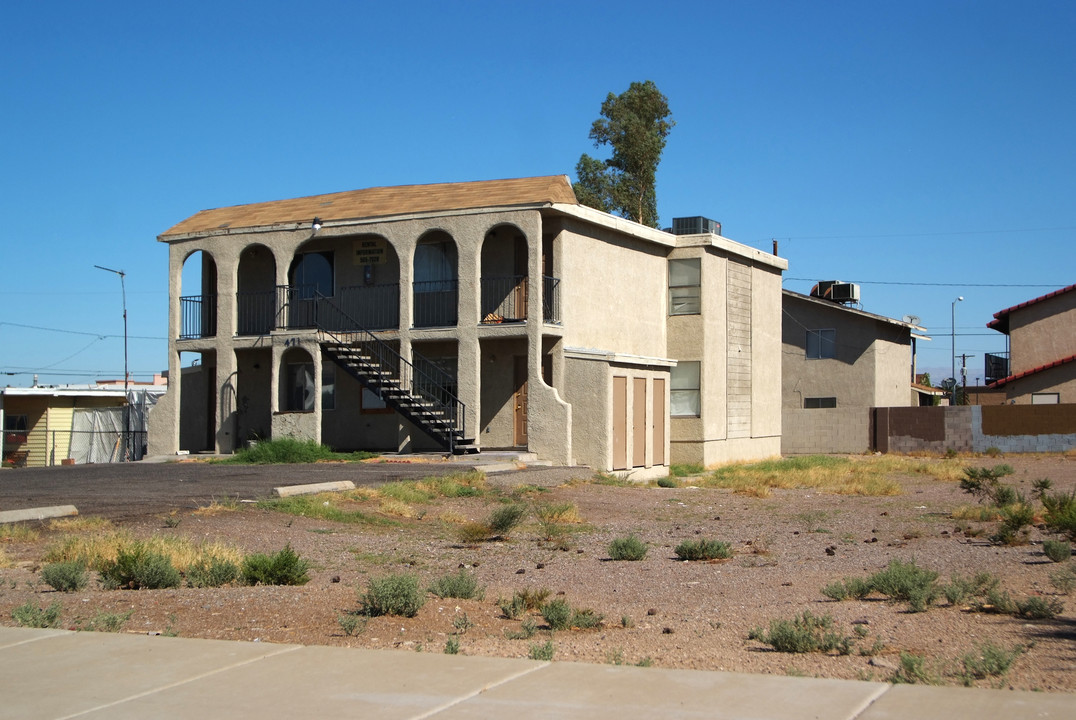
[{"x": 827, "y": 430}]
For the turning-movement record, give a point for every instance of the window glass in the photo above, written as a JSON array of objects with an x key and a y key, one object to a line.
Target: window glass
[
  {"x": 684, "y": 399},
  {"x": 300, "y": 387},
  {"x": 312, "y": 273},
  {"x": 685, "y": 279},
  {"x": 822, "y": 344},
  {"x": 1045, "y": 398},
  {"x": 15, "y": 423},
  {"x": 819, "y": 402}
]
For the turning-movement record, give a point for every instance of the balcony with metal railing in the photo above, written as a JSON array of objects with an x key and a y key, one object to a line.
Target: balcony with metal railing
[
  {"x": 198, "y": 317},
  {"x": 436, "y": 303}
]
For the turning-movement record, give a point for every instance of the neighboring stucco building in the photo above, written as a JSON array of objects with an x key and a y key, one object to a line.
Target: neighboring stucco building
[
  {"x": 497, "y": 314},
  {"x": 837, "y": 361},
  {"x": 1042, "y": 349}
]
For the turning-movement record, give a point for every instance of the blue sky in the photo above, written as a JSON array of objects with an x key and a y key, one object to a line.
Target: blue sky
[{"x": 923, "y": 149}]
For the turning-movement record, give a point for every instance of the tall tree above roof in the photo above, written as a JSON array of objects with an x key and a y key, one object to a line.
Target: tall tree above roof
[{"x": 635, "y": 124}]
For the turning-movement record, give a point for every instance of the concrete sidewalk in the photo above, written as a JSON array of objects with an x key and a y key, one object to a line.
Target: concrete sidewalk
[{"x": 61, "y": 674}]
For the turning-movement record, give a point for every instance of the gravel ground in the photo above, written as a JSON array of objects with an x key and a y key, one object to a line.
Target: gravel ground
[{"x": 658, "y": 610}]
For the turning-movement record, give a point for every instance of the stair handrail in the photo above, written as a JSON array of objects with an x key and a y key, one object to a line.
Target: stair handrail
[{"x": 428, "y": 381}]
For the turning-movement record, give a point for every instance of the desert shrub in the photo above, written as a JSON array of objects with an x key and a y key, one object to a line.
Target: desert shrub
[
  {"x": 32, "y": 616},
  {"x": 452, "y": 646},
  {"x": 558, "y": 614},
  {"x": 352, "y": 623},
  {"x": 461, "y": 584},
  {"x": 850, "y": 587},
  {"x": 566, "y": 512},
  {"x": 1039, "y": 608},
  {"x": 544, "y": 651},
  {"x": 137, "y": 567},
  {"x": 526, "y": 631},
  {"x": 961, "y": 588},
  {"x": 107, "y": 622},
  {"x": 585, "y": 619},
  {"x": 1060, "y": 512},
  {"x": 1040, "y": 486},
  {"x": 68, "y": 576},
  {"x": 1057, "y": 550},
  {"x": 209, "y": 572},
  {"x": 907, "y": 582},
  {"x": 473, "y": 532},
  {"x": 995, "y": 601},
  {"x": 667, "y": 482},
  {"x": 522, "y": 601},
  {"x": 1015, "y": 518},
  {"x": 984, "y": 483},
  {"x": 627, "y": 548},
  {"x": 282, "y": 568},
  {"x": 392, "y": 595},
  {"x": 1064, "y": 580},
  {"x": 912, "y": 670},
  {"x": 505, "y": 519},
  {"x": 703, "y": 549},
  {"x": 988, "y": 660},
  {"x": 283, "y": 450},
  {"x": 512, "y": 609},
  {"x": 803, "y": 634}
]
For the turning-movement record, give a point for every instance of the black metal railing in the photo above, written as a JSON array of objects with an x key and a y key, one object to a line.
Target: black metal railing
[
  {"x": 504, "y": 299},
  {"x": 297, "y": 306},
  {"x": 551, "y": 299},
  {"x": 420, "y": 377},
  {"x": 256, "y": 312},
  {"x": 436, "y": 303},
  {"x": 198, "y": 316},
  {"x": 374, "y": 307}
]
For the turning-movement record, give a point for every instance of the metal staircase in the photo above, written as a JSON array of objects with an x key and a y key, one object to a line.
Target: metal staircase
[{"x": 417, "y": 389}]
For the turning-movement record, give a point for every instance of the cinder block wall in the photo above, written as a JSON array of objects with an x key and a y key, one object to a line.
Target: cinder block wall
[
  {"x": 973, "y": 428},
  {"x": 828, "y": 430}
]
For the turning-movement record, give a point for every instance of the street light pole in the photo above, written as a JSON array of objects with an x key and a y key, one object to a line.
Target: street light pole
[
  {"x": 952, "y": 400},
  {"x": 126, "y": 404}
]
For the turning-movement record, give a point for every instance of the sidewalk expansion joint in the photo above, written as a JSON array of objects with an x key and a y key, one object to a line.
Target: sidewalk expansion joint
[
  {"x": 464, "y": 698},
  {"x": 868, "y": 702},
  {"x": 180, "y": 683}
]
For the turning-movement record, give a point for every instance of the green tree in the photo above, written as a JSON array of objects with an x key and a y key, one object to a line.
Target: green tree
[{"x": 634, "y": 124}]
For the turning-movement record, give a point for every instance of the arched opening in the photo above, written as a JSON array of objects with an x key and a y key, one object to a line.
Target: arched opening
[
  {"x": 298, "y": 387},
  {"x": 436, "y": 281},
  {"x": 369, "y": 295},
  {"x": 504, "y": 276},
  {"x": 198, "y": 309},
  {"x": 256, "y": 291},
  {"x": 197, "y": 401}
]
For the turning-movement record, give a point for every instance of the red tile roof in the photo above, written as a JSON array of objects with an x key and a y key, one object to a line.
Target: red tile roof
[
  {"x": 1001, "y": 317},
  {"x": 382, "y": 202},
  {"x": 1032, "y": 371}
]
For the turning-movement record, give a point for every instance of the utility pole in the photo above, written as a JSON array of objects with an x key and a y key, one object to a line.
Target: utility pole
[
  {"x": 126, "y": 374},
  {"x": 964, "y": 374}
]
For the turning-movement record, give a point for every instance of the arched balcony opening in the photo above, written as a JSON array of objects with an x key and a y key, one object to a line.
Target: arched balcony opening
[
  {"x": 198, "y": 312},
  {"x": 504, "y": 276},
  {"x": 436, "y": 281},
  {"x": 256, "y": 291}
]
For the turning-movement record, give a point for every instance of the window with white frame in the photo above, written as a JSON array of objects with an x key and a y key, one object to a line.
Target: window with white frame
[
  {"x": 685, "y": 386},
  {"x": 1045, "y": 398},
  {"x": 821, "y": 344},
  {"x": 685, "y": 286}
]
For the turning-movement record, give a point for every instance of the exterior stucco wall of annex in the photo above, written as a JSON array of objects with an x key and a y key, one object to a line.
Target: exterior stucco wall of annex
[
  {"x": 613, "y": 291},
  {"x": 1042, "y": 333},
  {"x": 1060, "y": 380},
  {"x": 766, "y": 357},
  {"x": 869, "y": 355},
  {"x": 587, "y": 389},
  {"x": 825, "y": 430}
]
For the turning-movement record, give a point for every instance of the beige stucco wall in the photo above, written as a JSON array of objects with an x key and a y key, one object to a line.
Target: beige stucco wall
[
  {"x": 872, "y": 367},
  {"x": 1060, "y": 380},
  {"x": 1042, "y": 333}
]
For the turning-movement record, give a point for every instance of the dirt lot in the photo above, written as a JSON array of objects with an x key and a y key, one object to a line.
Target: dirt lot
[{"x": 658, "y": 610}]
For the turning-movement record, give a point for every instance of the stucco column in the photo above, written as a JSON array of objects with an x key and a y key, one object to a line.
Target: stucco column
[{"x": 468, "y": 354}]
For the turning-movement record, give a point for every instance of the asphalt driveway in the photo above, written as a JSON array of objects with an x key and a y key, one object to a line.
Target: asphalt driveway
[{"x": 139, "y": 489}]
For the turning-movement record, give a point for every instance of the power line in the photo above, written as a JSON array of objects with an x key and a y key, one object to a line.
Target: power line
[
  {"x": 924, "y": 234},
  {"x": 80, "y": 332},
  {"x": 936, "y": 284}
]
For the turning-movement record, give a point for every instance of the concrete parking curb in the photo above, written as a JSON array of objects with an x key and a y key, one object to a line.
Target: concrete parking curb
[
  {"x": 40, "y": 513},
  {"x": 314, "y": 488}
]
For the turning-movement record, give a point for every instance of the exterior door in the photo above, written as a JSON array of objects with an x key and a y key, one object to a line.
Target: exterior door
[
  {"x": 620, "y": 423},
  {"x": 659, "y": 421},
  {"x": 520, "y": 398},
  {"x": 638, "y": 424}
]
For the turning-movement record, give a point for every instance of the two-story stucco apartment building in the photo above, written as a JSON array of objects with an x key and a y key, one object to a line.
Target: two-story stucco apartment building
[{"x": 499, "y": 314}]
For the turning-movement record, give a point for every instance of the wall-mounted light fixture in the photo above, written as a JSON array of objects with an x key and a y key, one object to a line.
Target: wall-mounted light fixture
[{"x": 316, "y": 224}]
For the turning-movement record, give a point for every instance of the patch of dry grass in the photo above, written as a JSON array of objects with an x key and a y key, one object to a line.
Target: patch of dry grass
[
  {"x": 452, "y": 517},
  {"x": 978, "y": 513},
  {"x": 395, "y": 508},
  {"x": 566, "y": 513},
  {"x": 218, "y": 506},
  {"x": 5, "y": 559},
  {"x": 17, "y": 532},
  {"x": 96, "y": 550},
  {"x": 87, "y": 523},
  {"x": 823, "y": 473}
]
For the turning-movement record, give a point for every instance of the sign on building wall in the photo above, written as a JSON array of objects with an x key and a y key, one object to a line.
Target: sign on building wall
[{"x": 370, "y": 251}]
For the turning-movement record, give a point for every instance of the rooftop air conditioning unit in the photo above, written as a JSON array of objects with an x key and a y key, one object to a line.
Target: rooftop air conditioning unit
[
  {"x": 844, "y": 292},
  {"x": 697, "y": 225}
]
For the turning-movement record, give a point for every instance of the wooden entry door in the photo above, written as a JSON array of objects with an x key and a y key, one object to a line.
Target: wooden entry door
[{"x": 520, "y": 401}]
